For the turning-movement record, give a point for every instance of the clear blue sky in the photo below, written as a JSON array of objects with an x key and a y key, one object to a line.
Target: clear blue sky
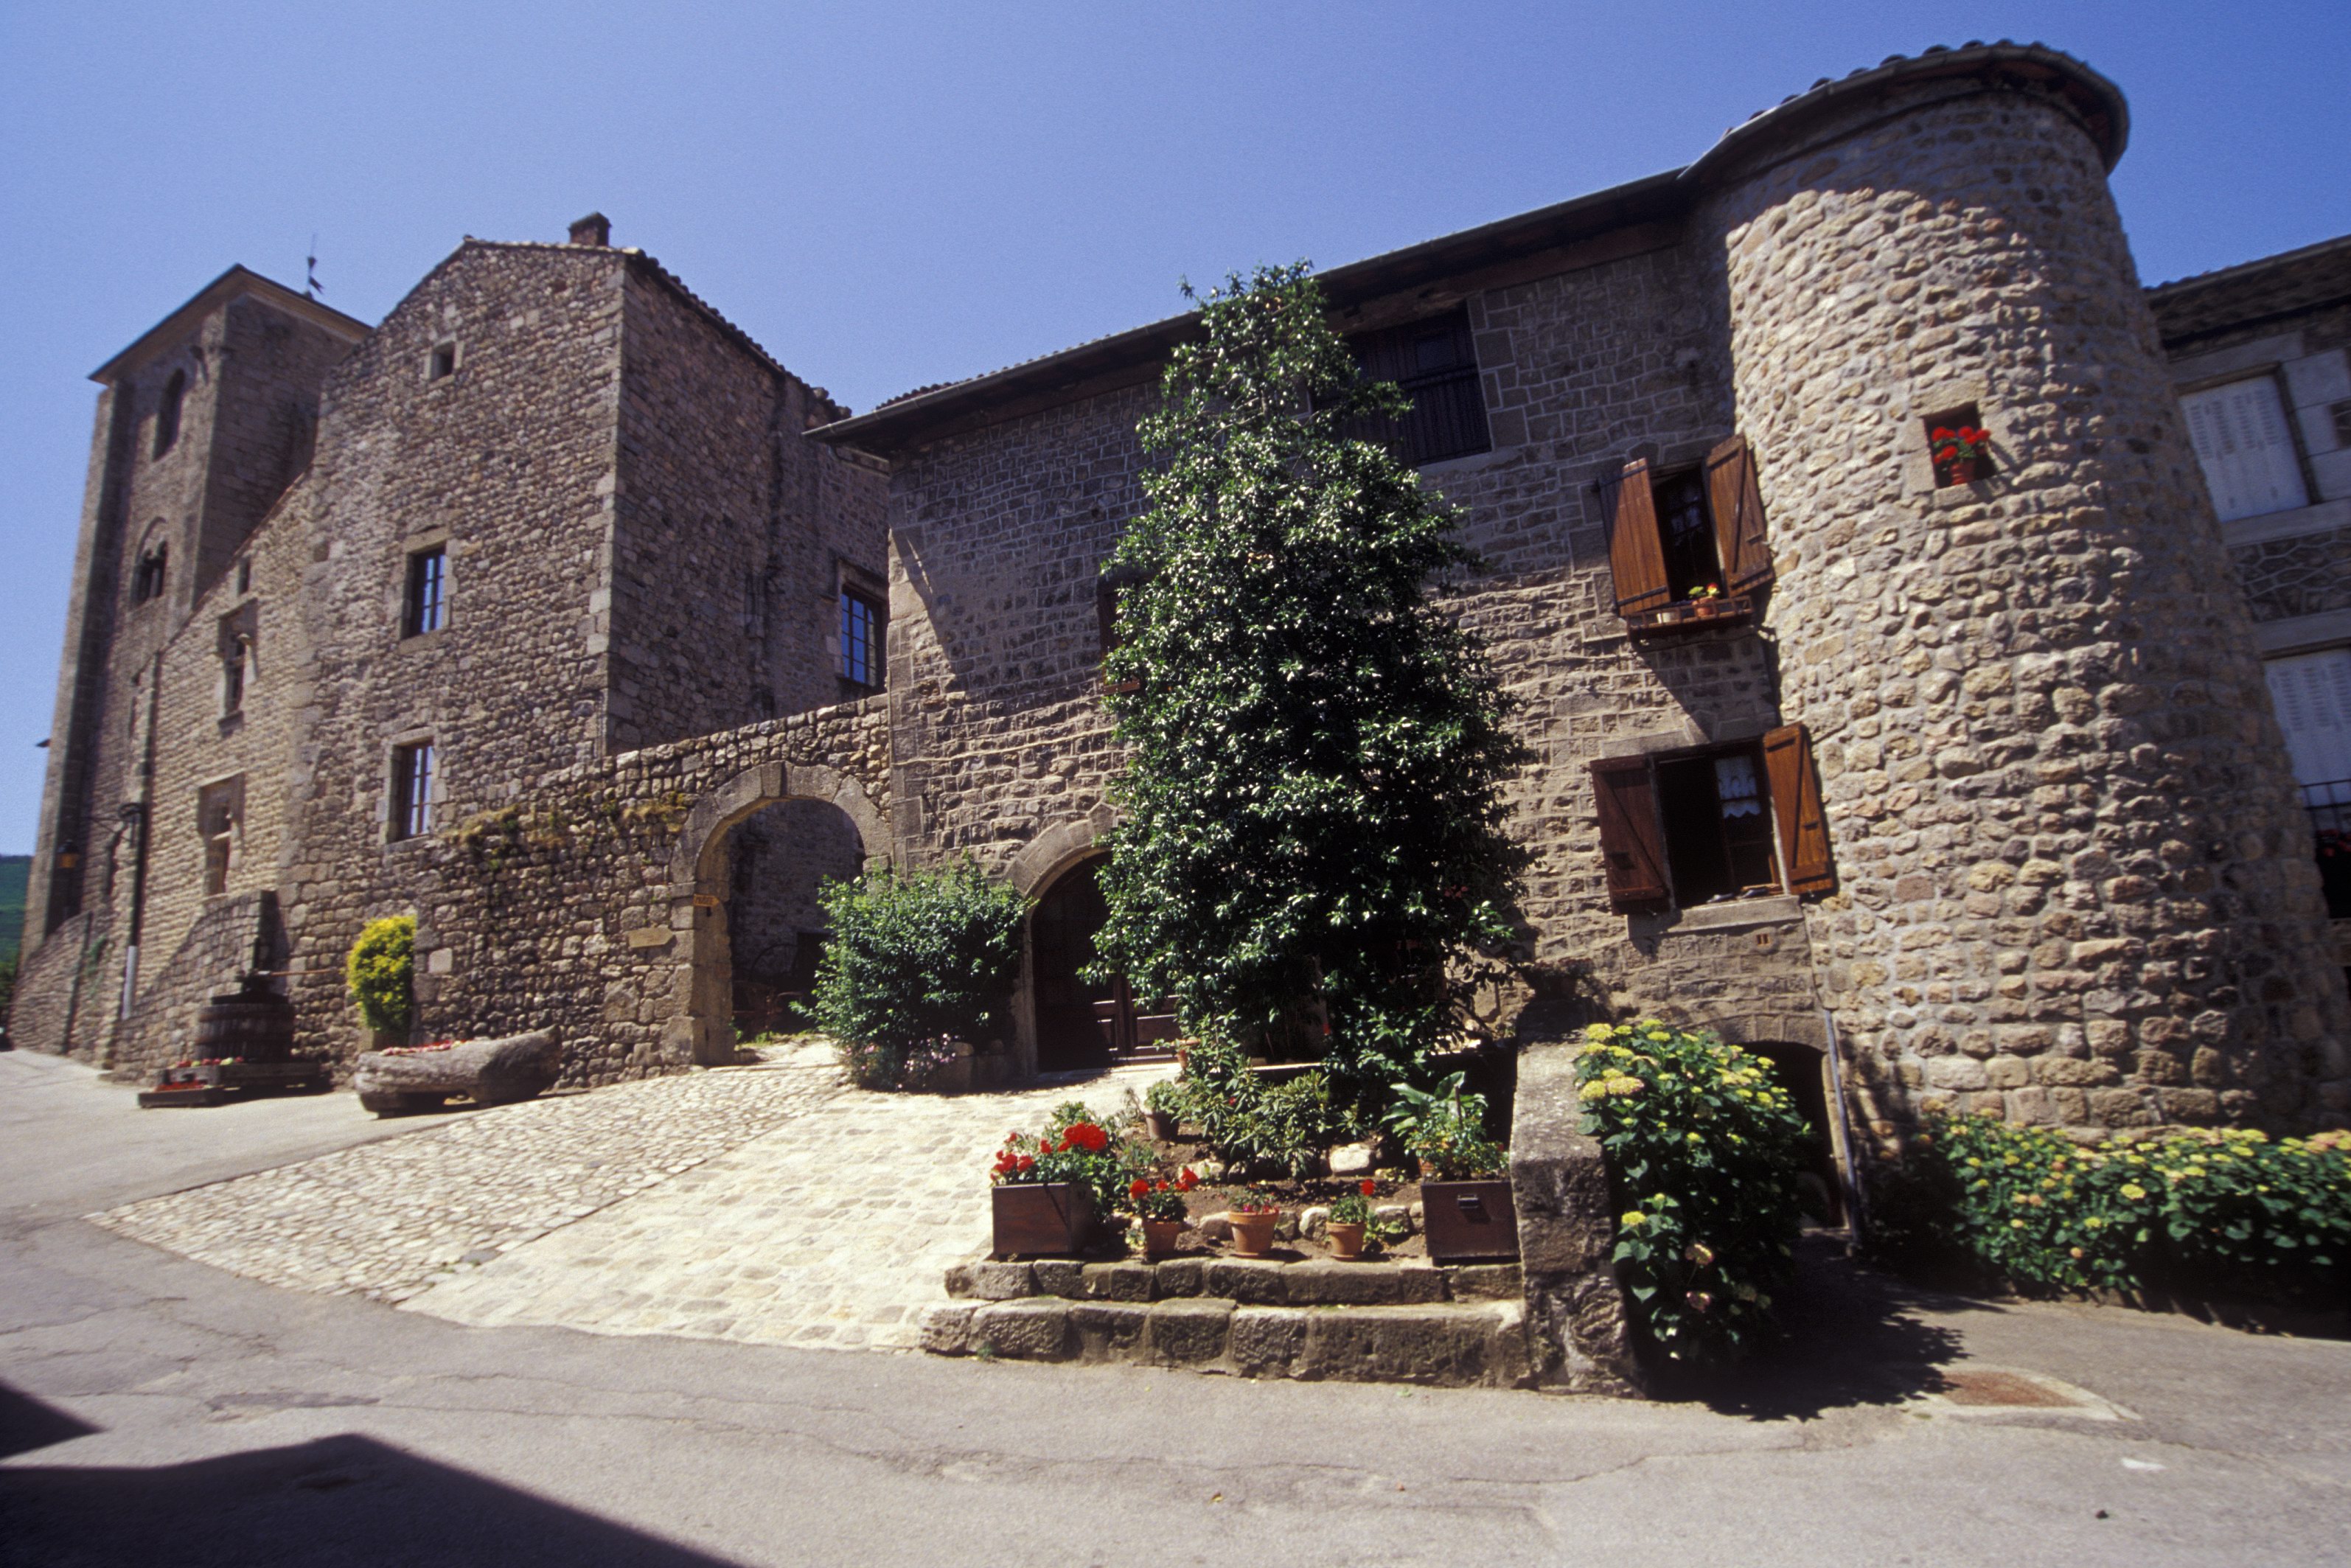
[{"x": 886, "y": 194}]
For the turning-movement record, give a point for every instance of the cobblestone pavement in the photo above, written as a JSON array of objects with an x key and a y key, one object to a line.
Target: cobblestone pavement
[
  {"x": 831, "y": 1231},
  {"x": 386, "y": 1219}
]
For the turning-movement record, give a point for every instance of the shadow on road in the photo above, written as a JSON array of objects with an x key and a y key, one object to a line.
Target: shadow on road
[
  {"x": 1856, "y": 1338},
  {"x": 346, "y": 1501}
]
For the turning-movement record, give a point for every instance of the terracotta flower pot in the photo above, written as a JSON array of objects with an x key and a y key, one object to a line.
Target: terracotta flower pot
[
  {"x": 1966, "y": 470},
  {"x": 1159, "y": 1127},
  {"x": 1253, "y": 1233},
  {"x": 1346, "y": 1241},
  {"x": 1159, "y": 1237}
]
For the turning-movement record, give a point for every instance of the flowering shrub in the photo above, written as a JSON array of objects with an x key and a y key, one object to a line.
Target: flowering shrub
[
  {"x": 1250, "y": 1122},
  {"x": 2180, "y": 1206},
  {"x": 1446, "y": 1128},
  {"x": 1156, "y": 1198},
  {"x": 1703, "y": 1150},
  {"x": 915, "y": 958},
  {"x": 876, "y": 1064},
  {"x": 1073, "y": 1148},
  {"x": 379, "y": 972},
  {"x": 1255, "y": 1200}
]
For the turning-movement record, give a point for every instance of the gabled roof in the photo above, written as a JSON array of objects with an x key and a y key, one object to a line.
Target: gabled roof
[
  {"x": 1422, "y": 278},
  {"x": 2252, "y": 292},
  {"x": 173, "y": 330}
]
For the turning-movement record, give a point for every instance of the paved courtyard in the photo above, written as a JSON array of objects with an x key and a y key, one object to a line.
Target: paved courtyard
[{"x": 771, "y": 1204}]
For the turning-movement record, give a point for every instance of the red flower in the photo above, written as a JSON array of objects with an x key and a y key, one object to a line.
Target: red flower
[
  {"x": 1028, "y": 1163},
  {"x": 1085, "y": 1135},
  {"x": 1187, "y": 1181},
  {"x": 1370, "y": 1188},
  {"x": 1140, "y": 1187}
]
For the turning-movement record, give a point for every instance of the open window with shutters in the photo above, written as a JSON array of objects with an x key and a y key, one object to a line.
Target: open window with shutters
[
  {"x": 1702, "y": 827},
  {"x": 1687, "y": 549}
]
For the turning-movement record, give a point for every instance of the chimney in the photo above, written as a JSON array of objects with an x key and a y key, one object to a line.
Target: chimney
[{"x": 593, "y": 229}]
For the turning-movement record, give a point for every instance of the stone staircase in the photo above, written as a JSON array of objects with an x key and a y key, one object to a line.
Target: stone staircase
[{"x": 1462, "y": 1326}]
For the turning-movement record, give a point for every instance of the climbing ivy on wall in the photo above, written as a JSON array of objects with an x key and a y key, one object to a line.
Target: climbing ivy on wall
[{"x": 1312, "y": 815}]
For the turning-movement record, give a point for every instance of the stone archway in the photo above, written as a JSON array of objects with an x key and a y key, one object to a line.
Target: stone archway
[{"x": 703, "y": 1032}]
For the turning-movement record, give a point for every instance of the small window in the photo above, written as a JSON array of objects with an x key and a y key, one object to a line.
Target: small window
[
  {"x": 220, "y": 819},
  {"x": 167, "y": 412},
  {"x": 1435, "y": 365},
  {"x": 1728, "y": 822},
  {"x": 862, "y": 653},
  {"x": 147, "y": 577},
  {"x": 412, "y": 789},
  {"x": 2245, "y": 446},
  {"x": 1959, "y": 448},
  {"x": 236, "y": 644},
  {"x": 1688, "y": 549},
  {"x": 443, "y": 364},
  {"x": 245, "y": 575},
  {"x": 425, "y": 607}
]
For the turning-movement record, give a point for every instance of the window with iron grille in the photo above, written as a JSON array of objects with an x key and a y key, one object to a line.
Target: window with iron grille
[
  {"x": 427, "y": 603},
  {"x": 1434, "y": 363},
  {"x": 862, "y": 657},
  {"x": 412, "y": 789}
]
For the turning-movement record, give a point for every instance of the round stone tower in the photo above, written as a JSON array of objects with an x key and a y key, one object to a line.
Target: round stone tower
[{"x": 2076, "y": 885}]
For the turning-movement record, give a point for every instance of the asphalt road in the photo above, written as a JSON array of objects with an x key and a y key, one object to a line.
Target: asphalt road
[{"x": 154, "y": 1410}]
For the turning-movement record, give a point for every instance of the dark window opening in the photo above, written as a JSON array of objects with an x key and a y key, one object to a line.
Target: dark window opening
[
  {"x": 147, "y": 578},
  {"x": 1686, "y": 532},
  {"x": 245, "y": 575},
  {"x": 1717, "y": 834},
  {"x": 220, "y": 813},
  {"x": 1959, "y": 446},
  {"x": 412, "y": 789},
  {"x": 167, "y": 412},
  {"x": 862, "y": 657},
  {"x": 443, "y": 363},
  {"x": 1435, "y": 365},
  {"x": 428, "y": 601}
]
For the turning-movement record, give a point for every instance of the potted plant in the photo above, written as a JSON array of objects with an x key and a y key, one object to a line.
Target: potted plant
[
  {"x": 1963, "y": 454},
  {"x": 1045, "y": 1201},
  {"x": 1350, "y": 1217},
  {"x": 1163, "y": 1109},
  {"x": 1253, "y": 1216},
  {"x": 1706, "y": 600},
  {"x": 1467, "y": 1210},
  {"x": 1159, "y": 1204}
]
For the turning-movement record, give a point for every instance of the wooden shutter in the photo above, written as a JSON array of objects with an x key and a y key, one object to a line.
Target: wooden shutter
[
  {"x": 1636, "y": 557},
  {"x": 1632, "y": 840},
  {"x": 1736, "y": 502},
  {"x": 1796, "y": 802},
  {"x": 2245, "y": 448}
]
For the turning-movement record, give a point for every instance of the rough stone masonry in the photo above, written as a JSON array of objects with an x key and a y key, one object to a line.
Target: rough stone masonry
[{"x": 1967, "y": 792}]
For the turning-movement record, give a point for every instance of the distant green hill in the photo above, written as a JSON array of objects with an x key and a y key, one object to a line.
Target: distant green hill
[{"x": 14, "y": 870}]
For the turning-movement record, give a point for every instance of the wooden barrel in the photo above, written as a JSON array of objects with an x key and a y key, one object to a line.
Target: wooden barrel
[{"x": 253, "y": 1024}]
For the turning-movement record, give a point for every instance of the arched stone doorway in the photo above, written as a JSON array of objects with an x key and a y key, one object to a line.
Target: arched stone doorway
[
  {"x": 1081, "y": 1022},
  {"x": 1805, "y": 1070},
  {"x": 778, "y": 858},
  {"x": 828, "y": 826}
]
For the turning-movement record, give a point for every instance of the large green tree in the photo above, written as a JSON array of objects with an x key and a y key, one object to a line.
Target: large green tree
[{"x": 1313, "y": 823}]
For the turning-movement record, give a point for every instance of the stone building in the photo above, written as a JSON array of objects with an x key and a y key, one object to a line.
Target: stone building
[{"x": 1966, "y": 791}]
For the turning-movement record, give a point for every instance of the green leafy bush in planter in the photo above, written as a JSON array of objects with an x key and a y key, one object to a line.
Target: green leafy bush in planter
[
  {"x": 1446, "y": 1127},
  {"x": 2234, "y": 1208},
  {"x": 1252, "y": 1124},
  {"x": 915, "y": 959},
  {"x": 1703, "y": 1149},
  {"x": 380, "y": 971}
]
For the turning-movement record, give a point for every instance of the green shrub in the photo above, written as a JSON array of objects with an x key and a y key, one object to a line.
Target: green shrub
[
  {"x": 914, "y": 959},
  {"x": 1444, "y": 1126},
  {"x": 2199, "y": 1207},
  {"x": 1251, "y": 1123},
  {"x": 380, "y": 971},
  {"x": 1703, "y": 1149}
]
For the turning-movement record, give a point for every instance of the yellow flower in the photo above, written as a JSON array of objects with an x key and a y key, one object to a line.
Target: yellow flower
[
  {"x": 1632, "y": 1217},
  {"x": 1598, "y": 1031},
  {"x": 2133, "y": 1191}
]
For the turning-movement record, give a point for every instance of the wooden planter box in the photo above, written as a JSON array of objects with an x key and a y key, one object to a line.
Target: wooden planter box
[
  {"x": 1042, "y": 1220},
  {"x": 1469, "y": 1219}
]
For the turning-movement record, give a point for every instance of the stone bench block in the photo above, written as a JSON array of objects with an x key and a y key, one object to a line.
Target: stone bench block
[
  {"x": 1034, "y": 1330},
  {"x": 1266, "y": 1341},
  {"x": 1185, "y": 1332},
  {"x": 1258, "y": 1281},
  {"x": 1361, "y": 1284},
  {"x": 1180, "y": 1277},
  {"x": 947, "y": 1330},
  {"x": 1063, "y": 1277},
  {"x": 993, "y": 1282},
  {"x": 1451, "y": 1345},
  {"x": 1486, "y": 1282},
  {"x": 1117, "y": 1282},
  {"x": 1109, "y": 1331}
]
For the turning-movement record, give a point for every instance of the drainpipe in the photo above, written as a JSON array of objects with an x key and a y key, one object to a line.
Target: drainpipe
[
  {"x": 1853, "y": 1198},
  {"x": 137, "y": 817}
]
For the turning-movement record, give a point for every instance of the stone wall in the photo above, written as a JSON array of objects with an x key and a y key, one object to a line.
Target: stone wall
[
  {"x": 2075, "y": 888},
  {"x": 777, "y": 861}
]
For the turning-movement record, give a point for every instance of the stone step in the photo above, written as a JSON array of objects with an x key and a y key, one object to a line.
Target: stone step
[
  {"x": 1438, "y": 1344},
  {"x": 1264, "y": 1282}
]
